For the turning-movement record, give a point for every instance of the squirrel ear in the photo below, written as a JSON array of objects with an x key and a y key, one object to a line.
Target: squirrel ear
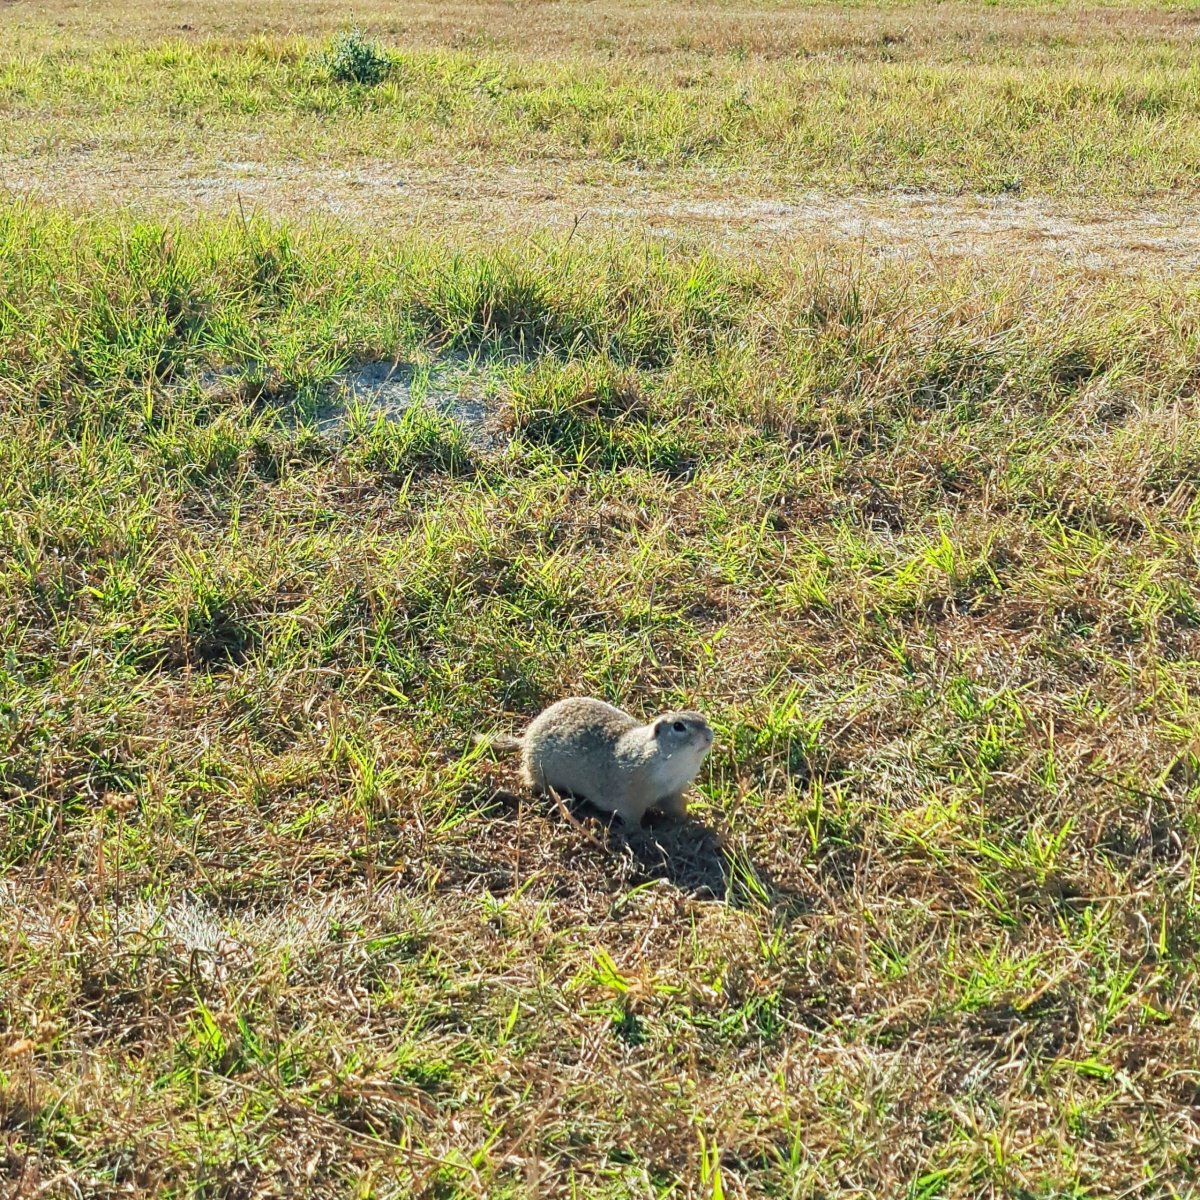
[{"x": 657, "y": 727}]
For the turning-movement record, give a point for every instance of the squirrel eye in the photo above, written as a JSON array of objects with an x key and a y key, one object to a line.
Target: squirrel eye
[{"x": 679, "y": 727}]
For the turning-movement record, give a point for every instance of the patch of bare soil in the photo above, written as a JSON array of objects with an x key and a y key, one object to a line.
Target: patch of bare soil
[
  {"x": 704, "y": 206},
  {"x": 393, "y": 388},
  {"x": 452, "y": 387}
]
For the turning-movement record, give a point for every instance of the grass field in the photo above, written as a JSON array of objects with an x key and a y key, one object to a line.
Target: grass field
[
  {"x": 918, "y": 532},
  {"x": 854, "y": 100}
]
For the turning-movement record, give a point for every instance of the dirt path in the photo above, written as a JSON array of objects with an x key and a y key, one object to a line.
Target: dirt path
[{"x": 707, "y": 207}]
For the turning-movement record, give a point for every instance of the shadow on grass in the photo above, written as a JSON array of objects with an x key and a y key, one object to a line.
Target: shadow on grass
[
  {"x": 693, "y": 857},
  {"x": 698, "y": 860}
]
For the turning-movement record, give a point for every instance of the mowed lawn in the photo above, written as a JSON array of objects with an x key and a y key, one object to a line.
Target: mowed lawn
[{"x": 919, "y": 536}]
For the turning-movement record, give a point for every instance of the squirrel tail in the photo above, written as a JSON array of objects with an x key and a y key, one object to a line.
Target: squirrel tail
[{"x": 498, "y": 741}]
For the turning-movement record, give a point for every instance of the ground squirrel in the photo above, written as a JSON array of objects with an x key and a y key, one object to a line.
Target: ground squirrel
[{"x": 595, "y": 751}]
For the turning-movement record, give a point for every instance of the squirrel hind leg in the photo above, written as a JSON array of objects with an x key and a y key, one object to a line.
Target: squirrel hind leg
[{"x": 629, "y": 808}]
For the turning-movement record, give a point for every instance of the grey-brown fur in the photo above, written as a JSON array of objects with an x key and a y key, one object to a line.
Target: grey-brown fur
[{"x": 591, "y": 749}]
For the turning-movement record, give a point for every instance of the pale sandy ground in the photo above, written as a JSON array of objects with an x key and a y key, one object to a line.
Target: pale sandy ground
[{"x": 703, "y": 207}]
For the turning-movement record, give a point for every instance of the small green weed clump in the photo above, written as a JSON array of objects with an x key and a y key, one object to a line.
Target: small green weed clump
[{"x": 353, "y": 57}]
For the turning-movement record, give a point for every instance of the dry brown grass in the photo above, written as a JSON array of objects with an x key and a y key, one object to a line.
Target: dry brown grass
[
  {"x": 914, "y": 522},
  {"x": 1098, "y": 104},
  {"x": 731, "y": 212},
  {"x": 926, "y": 554},
  {"x": 629, "y": 29}
]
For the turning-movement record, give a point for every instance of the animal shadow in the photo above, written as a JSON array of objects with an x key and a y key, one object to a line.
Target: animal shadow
[
  {"x": 698, "y": 860},
  {"x": 689, "y": 855}
]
